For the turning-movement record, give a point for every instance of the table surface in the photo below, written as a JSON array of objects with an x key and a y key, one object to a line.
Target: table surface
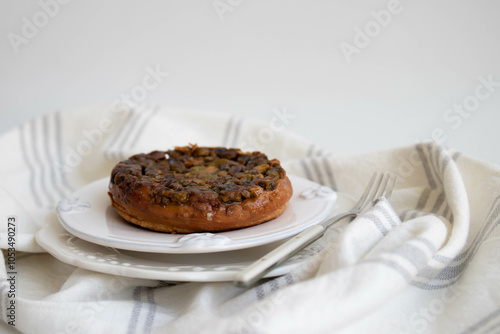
[{"x": 353, "y": 76}]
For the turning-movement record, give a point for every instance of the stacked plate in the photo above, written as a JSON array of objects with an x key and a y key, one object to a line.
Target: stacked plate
[{"x": 89, "y": 234}]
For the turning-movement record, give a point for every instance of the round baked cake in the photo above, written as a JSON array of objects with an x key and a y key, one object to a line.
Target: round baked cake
[{"x": 199, "y": 189}]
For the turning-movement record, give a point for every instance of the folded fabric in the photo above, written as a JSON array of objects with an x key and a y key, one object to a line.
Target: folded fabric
[{"x": 427, "y": 262}]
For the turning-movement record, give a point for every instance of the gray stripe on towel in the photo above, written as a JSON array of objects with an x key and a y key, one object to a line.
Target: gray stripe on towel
[
  {"x": 306, "y": 169},
  {"x": 425, "y": 163},
  {"x": 136, "y": 310},
  {"x": 484, "y": 321},
  {"x": 378, "y": 223},
  {"x": 150, "y": 317},
  {"x": 315, "y": 166},
  {"x": 424, "y": 197},
  {"x": 50, "y": 158},
  {"x": 458, "y": 265},
  {"x": 24, "y": 151},
  {"x": 412, "y": 254},
  {"x": 130, "y": 126},
  {"x": 329, "y": 174},
  {"x": 435, "y": 153},
  {"x": 59, "y": 154},
  {"x": 439, "y": 202},
  {"x": 34, "y": 139},
  {"x": 229, "y": 126},
  {"x": 142, "y": 126},
  {"x": 310, "y": 150},
  {"x": 237, "y": 131},
  {"x": 108, "y": 148},
  {"x": 259, "y": 292},
  {"x": 387, "y": 216},
  {"x": 457, "y": 270}
]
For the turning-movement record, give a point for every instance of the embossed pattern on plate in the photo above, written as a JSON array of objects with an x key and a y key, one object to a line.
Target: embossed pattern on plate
[{"x": 168, "y": 267}]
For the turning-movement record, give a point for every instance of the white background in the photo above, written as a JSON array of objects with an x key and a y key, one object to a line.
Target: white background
[
  {"x": 252, "y": 57},
  {"x": 258, "y": 56}
]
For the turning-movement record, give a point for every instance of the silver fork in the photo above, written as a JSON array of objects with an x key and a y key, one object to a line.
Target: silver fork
[{"x": 380, "y": 186}]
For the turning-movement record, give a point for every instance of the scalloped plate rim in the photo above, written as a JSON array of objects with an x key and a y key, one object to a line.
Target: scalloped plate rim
[
  {"x": 138, "y": 239},
  {"x": 58, "y": 242}
]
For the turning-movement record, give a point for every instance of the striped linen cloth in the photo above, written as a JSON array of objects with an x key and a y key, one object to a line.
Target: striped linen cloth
[{"x": 427, "y": 262}]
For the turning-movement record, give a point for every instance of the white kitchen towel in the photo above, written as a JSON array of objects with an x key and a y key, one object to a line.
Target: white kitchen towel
[{"x": 427, "y": 262}]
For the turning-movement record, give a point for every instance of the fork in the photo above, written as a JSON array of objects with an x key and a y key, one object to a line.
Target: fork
[{"x": 380, "y": 186}]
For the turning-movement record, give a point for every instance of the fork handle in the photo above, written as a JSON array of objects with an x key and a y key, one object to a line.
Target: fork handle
[
  {"x": 285, "y": 251},
  {"x": 277, "y": 256}
]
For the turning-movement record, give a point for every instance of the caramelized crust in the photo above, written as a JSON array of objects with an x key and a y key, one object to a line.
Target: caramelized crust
[{"x": 199, "y": 189}]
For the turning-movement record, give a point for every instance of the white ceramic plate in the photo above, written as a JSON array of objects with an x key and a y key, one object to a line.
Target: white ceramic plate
[
  {"x": 168, "y": 267},
  {"x": 89, "y": 216}
]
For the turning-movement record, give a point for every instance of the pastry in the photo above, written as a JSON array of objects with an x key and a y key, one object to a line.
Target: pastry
[{"x": 199, "y": 189}]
